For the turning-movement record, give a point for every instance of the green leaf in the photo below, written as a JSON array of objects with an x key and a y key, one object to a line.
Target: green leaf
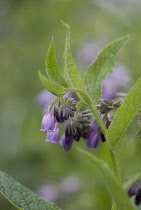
[
  {"x": 115, "y": 189},
  {"x": 70, "y": 68},
  {"x": 52, "y": 68},
  {"x": 124, "y": 115},
  {"x": 51, "y": 86},
  {"x": 102, "y": 67},
  {"x": 21, "y": 197}
]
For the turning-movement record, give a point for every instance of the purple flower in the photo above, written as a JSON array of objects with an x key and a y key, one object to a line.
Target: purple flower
[
  {"x": 135, "y": 189},
  {"x": 65, "y": 109},
  {"x": 76, "y": 128},
  {"x": 48, "y": 121},
  {"x": 53, "y": 136},
  {"x": 66, "y": 143},
  {"x": 94, "y": 136},
  {"x": 61, "y": 114},
  {"x": 93, "y": 140},
  {"x": 60, "y": 109}
]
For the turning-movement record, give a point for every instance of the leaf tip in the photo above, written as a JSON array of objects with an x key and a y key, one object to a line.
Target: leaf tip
[
  {"x": 127, "y": 37},
  {"x": 52, "y": 39},
  {"x": 66, "y": 25},
  {"x": 39, "y": 73}
]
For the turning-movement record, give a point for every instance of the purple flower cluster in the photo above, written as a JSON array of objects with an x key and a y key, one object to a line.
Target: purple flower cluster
[
  {"x": 75, "y": 129},
  {"x": 135, "y": 190},
  {"x": 57, "y": 111},
  {"x": 77, "y": 124}
]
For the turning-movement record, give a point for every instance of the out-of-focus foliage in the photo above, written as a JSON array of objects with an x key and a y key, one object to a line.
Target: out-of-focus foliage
[{"x": 26, "y": 28}]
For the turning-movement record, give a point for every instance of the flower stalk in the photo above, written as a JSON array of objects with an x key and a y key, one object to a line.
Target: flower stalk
[{"x": 114, "y": 155}]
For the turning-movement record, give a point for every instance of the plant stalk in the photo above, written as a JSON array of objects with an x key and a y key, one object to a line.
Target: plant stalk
[{"x": 114, "y": 156}]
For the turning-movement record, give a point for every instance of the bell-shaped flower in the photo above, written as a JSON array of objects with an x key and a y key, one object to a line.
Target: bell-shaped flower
[
  {"x": 53, "y": 136},
  {"x": 48, "y": 121},
  {"x": 66, "y": 143}
]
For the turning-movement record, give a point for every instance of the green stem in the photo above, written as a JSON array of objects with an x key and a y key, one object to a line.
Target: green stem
[
  {"x": 116, "y": 168},
  {"x": 132, "y": 180},
  {"x": 114, "y": 155},
  {"x": 114, "y": 207}
]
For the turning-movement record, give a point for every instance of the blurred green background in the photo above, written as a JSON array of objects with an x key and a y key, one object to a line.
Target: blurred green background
[{"x": 26, "y": 28}]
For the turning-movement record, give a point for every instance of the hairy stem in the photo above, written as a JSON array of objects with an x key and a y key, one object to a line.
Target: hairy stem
[
  {"x": 116, "y": 168},
  {"x": 114, "y": 207},
  {"x": 114, "y": 156},
  {"x": 132, "y": 180}
]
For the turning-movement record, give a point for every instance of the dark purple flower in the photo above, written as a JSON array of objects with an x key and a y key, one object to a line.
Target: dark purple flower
[
  {"x": 135, "y": 189},
  {"x": 48, "y": 121},
  {"x": 76, "y": 128},
  {"x": 61, "y": 114},
  {"x": 93, "y": 140},
  {"x": 53, "y": 136},
  {"x": 65, "y": 109},
  {"x": 94, "y": 136},
  {"x": 66, "y": 143}
]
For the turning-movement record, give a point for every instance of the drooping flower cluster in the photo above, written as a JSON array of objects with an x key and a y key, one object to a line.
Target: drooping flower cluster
[
  {"x": 57, "y": 111},
  {"x": 77, "y": 127},
  {"x": 135, "y": 190},
  {"x": 105, "y": 106},
  {"x": 78, "y": 124}
]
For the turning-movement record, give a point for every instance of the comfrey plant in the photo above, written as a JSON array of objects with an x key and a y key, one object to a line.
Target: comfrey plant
[{"x": 90, "y": 117}]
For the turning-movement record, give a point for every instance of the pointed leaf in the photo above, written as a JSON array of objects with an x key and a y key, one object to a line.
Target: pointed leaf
[
  {"x": 21, "y": 197},
  {"x": 124, "y": 115},
  {"x": 52, "y": 68},
  {"x": 115, "y": 189},
  {"x": 102, "y": 67},
  {"x": 52, "y": 86},
  {"x": 70, "y": 71}
]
